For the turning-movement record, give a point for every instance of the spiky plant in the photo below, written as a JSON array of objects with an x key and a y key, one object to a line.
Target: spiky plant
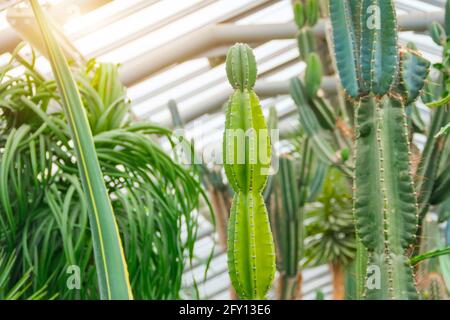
[
  {"x": 153, "y": 197},
  {"x": 12, "y": 288},
  {"x": 286, "y": 217},
  {"x": 285, "y": 200},
  {"x": 330, "y": 229},
  {"x": 306, "y": 15},
  {"x": 380, "y": 80},
  {"x": 246, "y": 153},
  {"x": 430, "y": 168}
]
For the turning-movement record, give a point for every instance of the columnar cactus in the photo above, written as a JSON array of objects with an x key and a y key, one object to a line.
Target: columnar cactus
[
  {"x": 380, "y": 81},
  {"x": 321, "y": 122},
  {"x": 318, "y": 119},
  {"x": 306, "y": 14},
  {"x": 286, "y": 215},
  {"x": 286, "y": 197},
  {"x": 286, "y": 194},
  {"x": 246, "y": 151},
  {"x": 433, "y": 177}
]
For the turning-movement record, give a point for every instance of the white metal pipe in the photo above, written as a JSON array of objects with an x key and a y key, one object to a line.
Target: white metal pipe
[
  {"x": 207, "y": 38},
  {"x": 9, "y": 3},
  {"x": 9, "y": 39},
  {"x": 262, "y": 88}
]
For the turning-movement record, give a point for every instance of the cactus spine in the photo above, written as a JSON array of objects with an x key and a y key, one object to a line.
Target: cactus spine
[
  {"x": 251, "y": 253},
  {"x": 380, "y": 81}
]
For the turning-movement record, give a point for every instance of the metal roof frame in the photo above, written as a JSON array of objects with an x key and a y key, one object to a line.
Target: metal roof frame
[
  {"x": 213, "y": 36},
  {"x": 10, "y": 39}
]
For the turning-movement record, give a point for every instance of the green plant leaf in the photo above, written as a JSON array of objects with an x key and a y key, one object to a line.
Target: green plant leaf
[
  {"x": 110, "y": 261},
  {"x": 439, "y": 103},
  {"x": 430, "y": 254},
  {"x": 444, "y": 130}
]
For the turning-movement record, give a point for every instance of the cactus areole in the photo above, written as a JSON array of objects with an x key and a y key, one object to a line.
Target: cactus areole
[{"x": 246, "y": 151}]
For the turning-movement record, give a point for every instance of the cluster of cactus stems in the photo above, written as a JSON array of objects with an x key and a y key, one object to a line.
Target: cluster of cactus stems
[
  {"x": 306, "y": 15},
  {"x": 219, "y": 193},
  {"x": 285, "y": 199},
  {"x": 251, "y": 251},
  {"x": 377, "y": 74},
  {"x": 318, "y": 119},
  {"x": 330, "y": 136},
  {"x": 327, "y": 132},
  {"x": 286, "y": 215},
  {"x": 433, "y": 174},
  {"x": 380, "y": 80}
]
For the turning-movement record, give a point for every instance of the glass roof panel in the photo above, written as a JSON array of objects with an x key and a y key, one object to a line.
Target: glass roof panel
[
  {"x": 176, "y": 29},
  {"x": 92, "y": 18},
  {"x": 276, "y": 13},
  {"x": 133, "y": 23}
]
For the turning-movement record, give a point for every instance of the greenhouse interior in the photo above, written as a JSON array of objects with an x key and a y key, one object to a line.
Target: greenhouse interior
[{"x": 224, "y": 150}]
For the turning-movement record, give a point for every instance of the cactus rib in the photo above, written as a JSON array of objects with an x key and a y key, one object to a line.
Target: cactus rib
[
  {"x": 385, "y": 205},
  {"x": 385, "y": 202},
  {"x": 414, "y": 71},
  {"x": 346, "y": 35},
  {"x": 379, "y": 52}
]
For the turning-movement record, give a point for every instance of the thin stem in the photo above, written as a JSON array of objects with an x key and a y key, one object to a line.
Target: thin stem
[
  {"x": 439, "y": 103},
  {"x": 429, "y": 255}
]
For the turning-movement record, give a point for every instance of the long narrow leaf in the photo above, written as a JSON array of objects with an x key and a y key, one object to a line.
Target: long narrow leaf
[
  {"x": 444, "y": 130},
  {"x": 110, "y": 262},
  {"x": 439, "y": 103},
  {"x": 429, "y": 255}
]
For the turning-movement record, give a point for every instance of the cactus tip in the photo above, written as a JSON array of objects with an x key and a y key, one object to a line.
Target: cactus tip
[{"x": 241, "y": 66}]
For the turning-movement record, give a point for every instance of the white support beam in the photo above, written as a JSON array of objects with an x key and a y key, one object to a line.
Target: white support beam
[
  {"x": 262, "y": 88},
  {"x": 5, "y": 4},
  {"x": 24, "y": 23},
  {"x": 210, "y": 37},
  {"x": 61, "y": 11}
]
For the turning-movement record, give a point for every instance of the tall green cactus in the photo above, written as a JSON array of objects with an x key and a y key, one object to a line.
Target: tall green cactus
[
  {"x": 251, "y": 253},
  {"x": 321, "y": 122},
  {"x": 317, "y": 119},
  {"x": 286, "y": 217},
  {"x": 306, "y": 14},
  {"x": 380, "y": 81},
  {"x": 286, "y": 200},
  {"x": 433, "y": 174}
]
